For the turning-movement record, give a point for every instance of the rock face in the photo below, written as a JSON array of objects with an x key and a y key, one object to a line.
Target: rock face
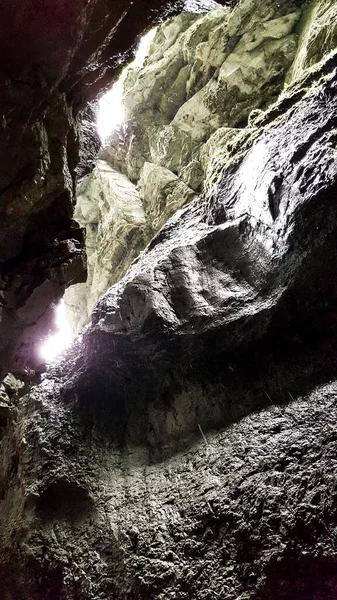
[
  {"x": 185, "y": 447},
  {"x": 205, "y": 82},
  {"x": 246, "y": 513},
  {"x": 110, "y": 209},
  {"x": 54, "y": 60}
]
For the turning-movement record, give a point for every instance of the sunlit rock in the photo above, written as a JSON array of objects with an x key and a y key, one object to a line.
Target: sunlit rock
[
  {"x": 191, "y": 428},
  {"x": 163, "y": 193},
  {"x": 184, "y": 447},
  {"x": 111, "y": 211},
  {"x": 56, "y": 60}
]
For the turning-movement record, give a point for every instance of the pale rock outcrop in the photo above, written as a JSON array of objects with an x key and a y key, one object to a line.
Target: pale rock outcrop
[
  {"x": 55, "y": 59},
  {"x": 185, "y": 446},
  {"x": 163, "y": 194},
  {"x": 204, "y": 74},
  {"x": 110, "y": 209},
  {"x": 228, "y": 56},
  {"x": 318, "y": 35}
]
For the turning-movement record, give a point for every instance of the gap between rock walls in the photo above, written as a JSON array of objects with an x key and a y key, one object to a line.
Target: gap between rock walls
[{"x": 183, "y": 445}]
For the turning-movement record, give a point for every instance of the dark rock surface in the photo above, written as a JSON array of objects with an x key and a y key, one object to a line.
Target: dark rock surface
[
  {"x": 185, "y": 448},
  {"x": 201, "y": 97},
  {"x": 55, "y": 58}
]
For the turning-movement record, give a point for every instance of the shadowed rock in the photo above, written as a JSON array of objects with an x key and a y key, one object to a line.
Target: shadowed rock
[{"x": 195, "y": 418}]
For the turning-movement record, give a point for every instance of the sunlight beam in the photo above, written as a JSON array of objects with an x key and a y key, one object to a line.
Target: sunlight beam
[{"x": 57, "y": 342}]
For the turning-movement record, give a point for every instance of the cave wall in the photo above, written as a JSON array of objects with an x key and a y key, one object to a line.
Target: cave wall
[
  {"x": 55, "y": 59},
  {"x": 185, "y": 446},
  {"x": 198, "y": 101}
]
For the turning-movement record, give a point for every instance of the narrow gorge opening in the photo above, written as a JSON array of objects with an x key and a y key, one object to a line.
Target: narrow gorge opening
[
  {"x": 61, "y": 337},
  {"x": 182, "y": 445},
  {"x": 110, "y": 117},
  {"x": 111, "y": 110}
]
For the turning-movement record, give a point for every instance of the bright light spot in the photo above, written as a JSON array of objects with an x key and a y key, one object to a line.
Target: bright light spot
[
  {"x": 111, "y": 112},
  {"x": 57, "y": 342},
  {"x": 143, "y": 49}
]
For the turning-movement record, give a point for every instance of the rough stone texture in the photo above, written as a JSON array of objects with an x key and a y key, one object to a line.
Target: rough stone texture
[
  {"x": 162, "y": 193},
  {"x": 248, "y": 513},
  {"x": 40, "y": 247},
  {"x": 211, "y": 71},
  {"x": 111, "y": 210},
  {"x": 318, "y": 35},
  {"x": 185, "y": 448},
  {"x": 89, "y": 142},
  {"x": 205, "y": 84},
  {"x": 54, "y": 59}
]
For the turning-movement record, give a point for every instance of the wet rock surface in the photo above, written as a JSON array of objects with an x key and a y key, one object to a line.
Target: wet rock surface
[
  {"x": 186, "y": 445},
  {"x": 247, "y": 513},
  {"x": 110, "y": 210}
]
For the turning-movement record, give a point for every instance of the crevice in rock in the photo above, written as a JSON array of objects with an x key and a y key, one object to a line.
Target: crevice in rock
[
  {"x": 184, "y": 447},
  {"x": 65, "y": 501}
]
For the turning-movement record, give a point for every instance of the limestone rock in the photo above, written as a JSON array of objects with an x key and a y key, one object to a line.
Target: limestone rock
[
  {"x": 147, "y": 91},
  {"x": 111, "y": 211},
  {"x": 7, "y": 410},
  {"x": 167, "y": 35},
  {"x": 201, "y": 95},
  {"x": 261, "y": 58},
  {"x": 185, "y": 447},
  {"x": 215, "y": 151},
  {"x": 204, "y": 74},
  {"x": 126, "y": 150},
  {"x": 55, "y": 60},
  {"x": 172, "y": 148},
  {"x": 318, "y": 35},
  {"x": 193, "y": 175},
  {"x": 163, "y": 193}
]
